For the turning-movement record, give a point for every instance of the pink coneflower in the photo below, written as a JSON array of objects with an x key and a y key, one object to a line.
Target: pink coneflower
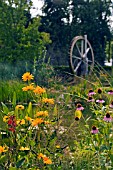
[
  {"x": 110, "y": 92},
  {"x": 111, "y": 105},
  {"x": 99, "y": 91},
  {"x": 79, "y": 107},
  {"x": 94, "y": 130},
  {"x": 107, "y": 118},
  {"x": 100, "y": 101},
  {"x": 90, "y": 99},
  {"x": 91, "y": 92}
]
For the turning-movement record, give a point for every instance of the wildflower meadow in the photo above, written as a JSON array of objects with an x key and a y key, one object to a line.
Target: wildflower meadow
[{"x": 62, "y": 127}]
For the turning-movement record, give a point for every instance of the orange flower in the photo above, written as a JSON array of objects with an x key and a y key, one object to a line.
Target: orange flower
[
  {"x": 47, "y": 160},
  {"x": 46, "y": 100},
  {"x": 2, "y": 149},
  {"x": 39, "y": 90},
  {"x": 27, "y": 76},
  {"x": 28, "y": 88},
  {"x": 37, "y": 121},
  {"x": 42, "y": 113}
]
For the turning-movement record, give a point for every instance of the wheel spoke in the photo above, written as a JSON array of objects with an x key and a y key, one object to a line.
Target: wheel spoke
[
  {"x": 76, "y": 57},
  {"x": 90, "y": 61},
  {"x": 79, "y": 50},
  {"x": 85, "y": 54},
  {"x": 78, "y": 65}
]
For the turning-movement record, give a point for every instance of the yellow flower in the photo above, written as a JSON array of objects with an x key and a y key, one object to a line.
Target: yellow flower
[
  {"x": 42, "y": 113},
  {"x": 37, "y": 121},
  {"x": 28, "y": 88},
  {"x": 57, "y": 146},
  {"x": 27, "y": 76},
  {"x": 47, "y": 160},
  {"x": 25, "y": 88},
  {"x": 46, "y": 122},
  {"x": 39, "y": 90},
  {"x": 20, "y": 107},
  {"x": 46, "y": 100},
  {"x": 28, "y": 118},
  {"x": 21, "y": 122},
  {"x": 41, "y": 155},
  {"x": 5, "y": 118},
  {"x": 24, "y": 148},
  {"x": 3, "y": 149}
]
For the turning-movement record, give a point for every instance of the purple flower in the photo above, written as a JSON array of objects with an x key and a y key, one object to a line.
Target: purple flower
[
  {"x": 94, "y": 130},
  {"x": 107, "y": 118},
  {"x": 91, "y": 92},
  {"x": 79, "y": 107},
  {"x": 100, "y": 101},
  {"x": 111, "y": 105},
  {"x": 90, "y": 99},
  {"x": 110, "y": 92}
]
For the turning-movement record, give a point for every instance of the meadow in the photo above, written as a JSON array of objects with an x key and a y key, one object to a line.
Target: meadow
[{"x": 63, "y": 124}]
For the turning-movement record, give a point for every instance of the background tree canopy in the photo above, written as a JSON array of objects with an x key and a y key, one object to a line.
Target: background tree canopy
[
  {"x": 25, "y": 38},
  {"x": 65, "y": 19},
  {"x": 19, "y": 35}
]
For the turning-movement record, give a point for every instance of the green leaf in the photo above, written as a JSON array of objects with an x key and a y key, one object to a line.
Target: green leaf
[
  {"x": 12, "y": 168},
  {"x": 55, "y": 110},
  {"x": 5, "y": 108},
  {"x": 14, "y": 99},
  {"x": 3, "y": 158},
  {"x": 20, "y": 163},
  {"x": 111, "y": 157},
  {"x": 29, "y": 109},
  {"x": 67, "y": 99}
]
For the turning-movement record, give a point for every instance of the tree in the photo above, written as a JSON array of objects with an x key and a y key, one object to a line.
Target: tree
[
  {"x": 55, "y": 20},
  {"x": 19, "y": 35},
  {"x": 89, "y": 17}
]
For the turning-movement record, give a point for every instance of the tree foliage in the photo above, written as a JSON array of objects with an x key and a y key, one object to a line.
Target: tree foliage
[
  {"x": 19, "y": 35},
  {"x": 89, "y": 17}
]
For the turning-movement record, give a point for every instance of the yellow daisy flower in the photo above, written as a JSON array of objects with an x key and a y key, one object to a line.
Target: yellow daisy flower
[
  {"x": 37, "y": 121},
  {"x": 42, "y": 113},
  {"x": 20, "y": 107},
  {"x": 41, "y": 155},
  {"x": 57, "y": 146},
  {"x": 39, "y": 90},
  {"x": 3, "y": 149},
  {"x": 28, "y": 118},
  {"x": 21, "y": 122},
  {"x": 46, "y": 100},
  {"x": 28, "y": 88},
  {"x": 24, "y": 148},
  {"x": 27, "y": 76},
  {"x": 5, "y": 118}
]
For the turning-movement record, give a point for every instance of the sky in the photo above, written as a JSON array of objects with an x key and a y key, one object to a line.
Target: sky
[{"x": 37, "y": 4}]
